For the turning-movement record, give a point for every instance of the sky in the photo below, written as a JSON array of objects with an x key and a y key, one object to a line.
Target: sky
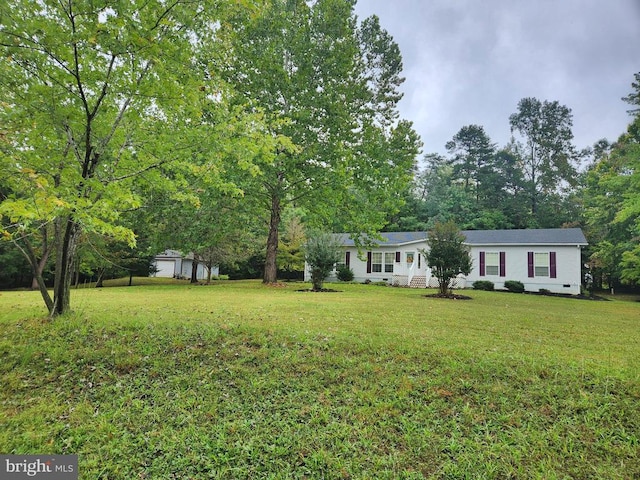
[{"x": 471, "y": 62}]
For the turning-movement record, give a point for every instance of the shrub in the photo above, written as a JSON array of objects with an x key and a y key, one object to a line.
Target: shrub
[
  {"x": 322, "y": 251},
  {"x": 344, "y": 274},
  {"x": 447, "y": 255},
  {"x": 483, "y": 285},
  {"x": 544, "y": 291},
  {"x": 514, "y": 286}
]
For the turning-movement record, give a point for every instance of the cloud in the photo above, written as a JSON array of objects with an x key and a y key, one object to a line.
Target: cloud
[{"x": 471, "y": 62}]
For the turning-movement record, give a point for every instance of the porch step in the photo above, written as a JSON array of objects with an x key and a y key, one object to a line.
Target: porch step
[{"x": 418, "y": 282}]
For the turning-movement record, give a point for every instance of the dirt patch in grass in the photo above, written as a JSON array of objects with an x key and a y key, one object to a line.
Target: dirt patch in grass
[
  {"x": 577, "y": 297},
  {"x": 561, "y": 295},
  {"x": 322, "y": 290},
  {"x": 450, "y": 296}
]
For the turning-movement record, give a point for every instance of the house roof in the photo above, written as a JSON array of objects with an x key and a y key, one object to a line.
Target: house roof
[
  {"x": 543, "y": 236},
  {"x": 173, "y": 254}
]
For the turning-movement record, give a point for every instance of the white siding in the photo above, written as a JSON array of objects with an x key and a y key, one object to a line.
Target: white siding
[
  {"x": 165, "y": 268},
  {"x": 171, "y": 263},
  {"x": 568, "y": 266}
]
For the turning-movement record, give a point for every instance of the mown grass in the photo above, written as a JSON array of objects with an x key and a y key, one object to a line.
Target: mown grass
[{"x": 238, "y": 380}]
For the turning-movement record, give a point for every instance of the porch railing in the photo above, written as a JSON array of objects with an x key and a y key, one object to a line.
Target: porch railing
[{"x": 412, "y": 272}]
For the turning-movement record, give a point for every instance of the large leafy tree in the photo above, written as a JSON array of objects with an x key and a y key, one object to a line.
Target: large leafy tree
[
  {"x": 331, "y": 89},
  {"x": 548, "y": 156},
  {"x": 610, "y": 232},
  {"x": 612, "y": 203},
  {"x": 94, "y": 94}
]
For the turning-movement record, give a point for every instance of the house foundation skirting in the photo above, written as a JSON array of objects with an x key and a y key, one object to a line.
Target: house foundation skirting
[
  {"x": 424, "y": 282},
  {"x": 400, "y": 280}
]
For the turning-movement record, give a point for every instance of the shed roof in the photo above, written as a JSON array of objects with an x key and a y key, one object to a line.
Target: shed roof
[{"x": 542, "y": 236}]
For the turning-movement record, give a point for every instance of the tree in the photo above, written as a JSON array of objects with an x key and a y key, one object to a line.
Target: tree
[
  {"x": 547, "y": 156},
  {"x": 634, "y": 97},
  {"x": 215, "y": 225},
  {"x": 447, "y": 255},
  {"x": 291, "y": 249},
  {"x": 630, "y": 211},
  {"x": 322, "y": 252},
  {"x": 332, "y": 90},
  {"x": 94, "y": 95},
  {"x": 472, "y": 150},
  {"x": 106, "y": 258},
  {"x": 612, "y": 204}
]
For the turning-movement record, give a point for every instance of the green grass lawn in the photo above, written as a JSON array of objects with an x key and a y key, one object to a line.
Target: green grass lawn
[{"x": 239, "y": 380}]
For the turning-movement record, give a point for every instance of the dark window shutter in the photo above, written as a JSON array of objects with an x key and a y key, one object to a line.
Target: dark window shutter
[
  {"x": 419, "y": 261},
  {"x": 530, "y": 263},
  {"x": 397, "y": 257},
  {"x": 503, "y": 264},
  {"x": 482, "y": 264},
  {"x": 553, "y": 273},
  {"x": 368, "y": 262},
  {"x": 347, "y": 259}
]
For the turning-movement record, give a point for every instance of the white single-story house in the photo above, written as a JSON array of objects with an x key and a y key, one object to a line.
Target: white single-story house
[
  {"x": 547, "y": 259},
  {"x": 173, "y": 264}
]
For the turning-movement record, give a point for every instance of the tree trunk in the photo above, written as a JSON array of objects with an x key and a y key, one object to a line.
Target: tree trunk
[
  {"x": 209, "y": 267},
  {"x": 38, "y": 265},
  {"x": 99, "y": 281},
  {"x": 30, "y": 255},
  {"x": 194, "y": 269},
  {"x": 534, "y": 192},
  {"x": 270, "y": 265},
  {"x": 39, "y": 269},
  {"x": 67, "y": 240}
]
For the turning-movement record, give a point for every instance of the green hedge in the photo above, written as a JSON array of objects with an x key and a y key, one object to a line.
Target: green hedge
[
  {"x": 483, "y": 285},
  {"x": 514, "y": 286}
]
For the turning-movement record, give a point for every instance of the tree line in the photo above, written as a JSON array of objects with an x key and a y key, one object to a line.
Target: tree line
[{"x": 539, "y": 180}]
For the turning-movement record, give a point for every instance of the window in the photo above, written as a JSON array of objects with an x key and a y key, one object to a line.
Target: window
[
  {"x": 389, "y": 258},
  {"x": 376, "y": 262},
  {"x": 346, "y": 262},
  {"x": 410, "y": 258},
  {"x": 382, "y": 262},
  {"x": 492, "y": 263},
  {"x": 541, "y": 264}
]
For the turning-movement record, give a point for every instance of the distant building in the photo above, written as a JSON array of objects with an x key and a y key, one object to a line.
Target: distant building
[{"x": 172, "y": 264}]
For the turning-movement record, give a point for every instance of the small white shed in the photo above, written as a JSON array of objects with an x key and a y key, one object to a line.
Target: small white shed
[{"x": 172, "y": 264}]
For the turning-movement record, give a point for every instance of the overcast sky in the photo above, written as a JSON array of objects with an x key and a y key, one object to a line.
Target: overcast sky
[{"x": 471, "y": 61}]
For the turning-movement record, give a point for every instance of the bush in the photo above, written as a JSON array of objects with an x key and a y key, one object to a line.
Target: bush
[
  {"x": 483, "y": 285},
  {"x": 544, "y": 291},
  {"x": 448, "y": 255},
  {"x": 322, "y": 252},
  {"x": 344, "y": 274},
  {"x": 514, "y": 286}
]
